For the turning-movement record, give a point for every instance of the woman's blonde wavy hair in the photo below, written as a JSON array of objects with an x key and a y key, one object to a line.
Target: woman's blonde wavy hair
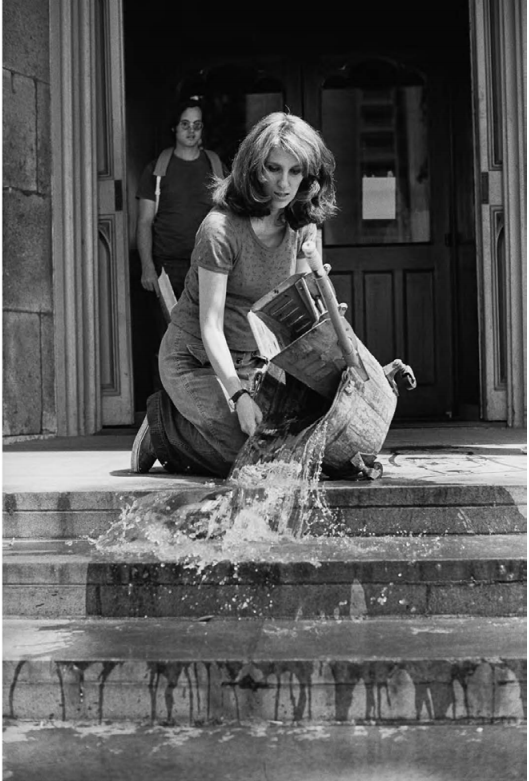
[{"x": 243, "y": 191}]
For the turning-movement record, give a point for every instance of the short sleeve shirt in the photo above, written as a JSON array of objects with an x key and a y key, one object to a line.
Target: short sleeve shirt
[
  {"x": 227, "y": 244},
  {"x": 185, "y": 199}
]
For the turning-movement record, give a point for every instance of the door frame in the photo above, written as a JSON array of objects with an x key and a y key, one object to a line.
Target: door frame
[
  {"x": 74, "y": 199},
  {"x": 500, "y": 133},
  {"x": 80, "y": 403},
  {"x": 115, "y": 339}
]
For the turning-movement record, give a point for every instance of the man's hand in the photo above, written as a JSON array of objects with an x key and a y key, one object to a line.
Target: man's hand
[
  {"x": 146, "y": 215},
  {"x": 149, "y": 279}
]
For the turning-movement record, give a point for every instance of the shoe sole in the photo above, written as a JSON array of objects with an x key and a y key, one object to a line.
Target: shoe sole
[{"x": 136, "y": 448}]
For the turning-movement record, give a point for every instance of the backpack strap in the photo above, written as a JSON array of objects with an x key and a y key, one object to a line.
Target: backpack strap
[
  {"x": 215, "y": 162},
  {"x": 160, "y": 169},
  {"x": 162, "y": 163}
]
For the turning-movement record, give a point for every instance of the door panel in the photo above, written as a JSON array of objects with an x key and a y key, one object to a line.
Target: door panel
[
  {"x": 114, "y": 300},
  {"x": 394, "y": 306},
  {"x": 386, "y": 121}
]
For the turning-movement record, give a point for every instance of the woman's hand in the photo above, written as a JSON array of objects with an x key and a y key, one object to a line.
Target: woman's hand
[
  {"x": 212, "y": 296},
  {"x": 249, "y": 414}
]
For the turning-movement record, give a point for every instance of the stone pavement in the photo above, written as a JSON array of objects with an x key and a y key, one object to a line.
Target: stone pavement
[
  {"x": 481, "y": 454},
  {"x": 129, "y": 752}
]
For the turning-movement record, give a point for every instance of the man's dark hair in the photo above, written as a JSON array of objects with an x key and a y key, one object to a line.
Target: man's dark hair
[{"x": 182, "y": 106}]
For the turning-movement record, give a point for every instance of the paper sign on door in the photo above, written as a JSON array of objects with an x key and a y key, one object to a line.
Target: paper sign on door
[{"x": 379, "y": 198}]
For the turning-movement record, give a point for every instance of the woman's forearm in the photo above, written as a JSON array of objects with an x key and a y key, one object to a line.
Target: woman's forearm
[
  {"x": 249, "y": 414},
  {"x": 212, "y": 293},
  {"x": 220, "y": 358}
]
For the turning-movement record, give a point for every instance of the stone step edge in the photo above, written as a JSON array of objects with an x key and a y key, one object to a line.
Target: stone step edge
[
  {"x": 61, "y": 573},
  {"x": 378, "y": 639},
  {"x": 90, "y": 528},
  {"x": 428, "y": 520},
  {"x": 86, "y": 547},
  {"x": 366, "y": 495},
  {"x": 316, "y": 552},
  {"x": 257, "y": 673}
]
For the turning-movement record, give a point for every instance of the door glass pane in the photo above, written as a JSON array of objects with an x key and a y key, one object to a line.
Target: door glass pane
[{"x": 374, "y": 120}]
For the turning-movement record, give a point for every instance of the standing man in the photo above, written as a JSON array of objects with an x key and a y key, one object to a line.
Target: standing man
[{"x": 168, "y": 220}]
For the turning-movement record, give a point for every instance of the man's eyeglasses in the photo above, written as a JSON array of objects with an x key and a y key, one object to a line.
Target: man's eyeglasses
[{"x": 185, "y": 124}]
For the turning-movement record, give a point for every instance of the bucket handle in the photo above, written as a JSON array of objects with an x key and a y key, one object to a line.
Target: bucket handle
[{"x": 348, "y": 342}]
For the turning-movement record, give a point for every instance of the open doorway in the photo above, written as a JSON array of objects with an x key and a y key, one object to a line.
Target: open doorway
[{"x": 393, "y": 101}]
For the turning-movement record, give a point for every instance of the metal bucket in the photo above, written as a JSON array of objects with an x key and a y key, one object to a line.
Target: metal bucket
[
  {"x": 293, "y": 330},
  {"x": 358, "y": 421}
]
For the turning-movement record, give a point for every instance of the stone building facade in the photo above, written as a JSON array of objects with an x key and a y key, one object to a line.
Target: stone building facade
[{"x": 28, "y": 318}]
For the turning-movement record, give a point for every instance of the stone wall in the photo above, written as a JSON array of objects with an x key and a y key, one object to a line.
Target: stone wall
[{"x": 28, "y": 339}]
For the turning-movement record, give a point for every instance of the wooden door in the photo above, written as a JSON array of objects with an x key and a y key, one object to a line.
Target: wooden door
[
  {"x": 114, "y": 303},
  {"x": 386, "y": 120}
]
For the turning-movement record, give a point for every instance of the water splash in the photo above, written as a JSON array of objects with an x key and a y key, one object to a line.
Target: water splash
[{"x": 272, "y": 500}]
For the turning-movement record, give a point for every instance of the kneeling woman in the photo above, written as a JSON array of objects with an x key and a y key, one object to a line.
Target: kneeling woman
[{"x": 280, "y": 189}]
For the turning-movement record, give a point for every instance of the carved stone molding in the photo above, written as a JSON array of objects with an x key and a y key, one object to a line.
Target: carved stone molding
[
  {"x": 514, "y": 52},
  {"x": 499, "y": 285},
  {"x": 108, "y": 307}
]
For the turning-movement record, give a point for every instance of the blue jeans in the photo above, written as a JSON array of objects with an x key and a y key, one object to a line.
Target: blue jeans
[{"x": 193, "y": 426}]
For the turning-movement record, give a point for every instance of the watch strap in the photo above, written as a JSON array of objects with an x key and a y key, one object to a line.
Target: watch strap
[{"x": 237, "y": 395}]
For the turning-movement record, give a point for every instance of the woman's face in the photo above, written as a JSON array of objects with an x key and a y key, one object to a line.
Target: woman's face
[{"x": 283, "y": 176}]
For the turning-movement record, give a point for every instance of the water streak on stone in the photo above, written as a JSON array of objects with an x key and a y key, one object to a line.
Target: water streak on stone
[
  {"x": 12, "y": 688},
  {"x": 436, "y": 686}
]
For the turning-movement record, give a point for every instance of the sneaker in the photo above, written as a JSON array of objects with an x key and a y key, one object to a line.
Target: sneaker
[{"x": 143, "y": 455}]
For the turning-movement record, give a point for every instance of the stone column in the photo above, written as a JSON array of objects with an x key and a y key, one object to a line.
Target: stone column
[{"x": 74, "y": 194}]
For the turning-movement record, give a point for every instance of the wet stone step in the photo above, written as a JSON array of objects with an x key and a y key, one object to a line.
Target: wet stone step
[
  {"x": 429, "y": 520},
  {"x": 332, "y": 578},
  {"x": 351, "y": 521},
  {"x": 34, "y": 751},
  {"x": 63, "y": 751},
  {"x": 376, "y": 671},
  {"x": 356, "y": 508}
]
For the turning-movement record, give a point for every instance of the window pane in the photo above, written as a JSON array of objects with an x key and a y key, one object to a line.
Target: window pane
[{"x": 378, "y": 135}]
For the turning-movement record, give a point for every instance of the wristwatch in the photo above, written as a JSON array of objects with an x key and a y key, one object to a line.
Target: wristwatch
[{"x": 237, "y": 395}]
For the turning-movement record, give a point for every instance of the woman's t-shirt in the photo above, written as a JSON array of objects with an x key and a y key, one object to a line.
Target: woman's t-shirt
[{"x": 227, "y": 244}]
